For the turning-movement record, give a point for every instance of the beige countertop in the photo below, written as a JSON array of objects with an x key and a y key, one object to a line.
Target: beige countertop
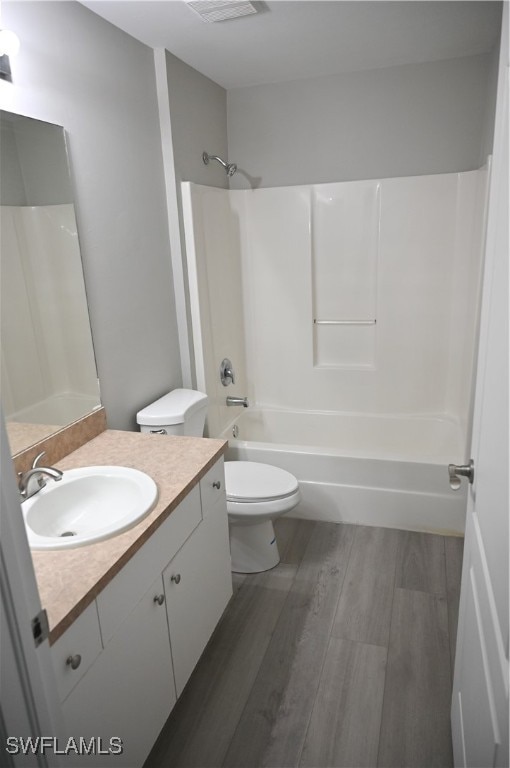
[
  {"x": 20, "y": 435},
  {"x": 69, "y": 580}
]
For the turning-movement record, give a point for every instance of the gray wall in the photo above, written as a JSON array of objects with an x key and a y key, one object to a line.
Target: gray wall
[
  {"x": 198, "y": 111},
  {"x": 34, "y": 163},
  {"x": 399, "y": 121},
  {"x": 490, "y": 106},
  {"x": 12, "y": 188},
  {"x": 198, "y": 114},
  {"x": 77, "y": 70}
]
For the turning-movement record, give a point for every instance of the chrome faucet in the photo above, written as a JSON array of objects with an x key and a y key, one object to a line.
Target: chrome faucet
[
  {"x": 31, "y": 481},
  {"x": 237, "y": 401}
]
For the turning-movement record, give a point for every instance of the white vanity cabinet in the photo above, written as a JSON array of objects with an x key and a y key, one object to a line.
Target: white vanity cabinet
[
  {"x": 143, "y": 635},
  {"x": 129, "y": 690},
  {"x": 198, "y": 582}
]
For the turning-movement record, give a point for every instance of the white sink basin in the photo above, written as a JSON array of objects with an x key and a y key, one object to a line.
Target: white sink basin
[{"x": 89, "y": 504}]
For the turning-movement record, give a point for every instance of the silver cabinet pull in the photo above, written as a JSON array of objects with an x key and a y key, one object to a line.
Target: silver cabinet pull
[
  {"x": 74, "y": 661},
  {"x": 158, "y": 431},
  {"x": 464, "y": 470},
  {"x": 176, "y": 578},
  {"x": 216, "y": 484},
  {"x": 159, "y": 599}
]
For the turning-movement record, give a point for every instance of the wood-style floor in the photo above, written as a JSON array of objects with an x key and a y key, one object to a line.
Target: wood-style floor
[{"x": 342, "y": 655}]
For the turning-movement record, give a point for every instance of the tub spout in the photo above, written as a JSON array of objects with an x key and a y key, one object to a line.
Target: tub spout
[{"x": 238, "y": 401}]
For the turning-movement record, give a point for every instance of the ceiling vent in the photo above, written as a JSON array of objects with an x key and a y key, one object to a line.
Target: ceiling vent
[{"x": 221, "y": 10}]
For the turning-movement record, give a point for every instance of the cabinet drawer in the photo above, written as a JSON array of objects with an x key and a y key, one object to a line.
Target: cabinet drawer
[
  {"x": 212, "y": 487},
  {"x": 81, "y": 643},
  {"x": 121, "y": 595}
]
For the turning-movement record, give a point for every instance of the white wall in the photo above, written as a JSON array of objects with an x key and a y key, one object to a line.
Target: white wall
[
  {"x": 76, "y": 70},
  {"x": 399, "y": 121}
]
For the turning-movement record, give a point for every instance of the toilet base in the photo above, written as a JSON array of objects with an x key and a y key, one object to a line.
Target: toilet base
[{"x": 253, "y": 548}]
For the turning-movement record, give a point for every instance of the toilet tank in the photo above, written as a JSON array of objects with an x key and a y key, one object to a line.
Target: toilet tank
[{"x": 181, "y": 412}]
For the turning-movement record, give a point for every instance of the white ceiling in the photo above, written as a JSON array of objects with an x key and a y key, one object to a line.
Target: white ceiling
[{"x": 294, "y": 39}]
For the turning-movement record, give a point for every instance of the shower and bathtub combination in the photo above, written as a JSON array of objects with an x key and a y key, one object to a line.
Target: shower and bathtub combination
[{"x": 349, "y": 312}]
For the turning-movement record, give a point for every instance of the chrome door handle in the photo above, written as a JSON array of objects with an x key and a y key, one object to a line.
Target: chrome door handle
[{"x": 465, "y": 470}]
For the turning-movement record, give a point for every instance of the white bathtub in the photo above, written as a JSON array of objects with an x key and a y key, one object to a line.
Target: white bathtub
[{"x": 371, "y": 470}]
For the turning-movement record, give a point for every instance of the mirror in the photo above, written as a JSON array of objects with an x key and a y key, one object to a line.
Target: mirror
[{"x": 48, "y": 369}]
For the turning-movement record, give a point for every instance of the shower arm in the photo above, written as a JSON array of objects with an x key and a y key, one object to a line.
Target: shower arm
[
  {"x": 206, "y": 158},
  {"x": 230, "y": 168}
]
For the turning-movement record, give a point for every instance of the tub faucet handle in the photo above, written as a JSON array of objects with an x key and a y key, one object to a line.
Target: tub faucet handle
[{"x": 226, "y": 372}]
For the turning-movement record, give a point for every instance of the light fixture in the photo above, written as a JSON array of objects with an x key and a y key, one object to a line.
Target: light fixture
[
  {"x": 9, "y": 46},
  {"x": 221, "y": 10},
  {"x": 9, "y": 43}
]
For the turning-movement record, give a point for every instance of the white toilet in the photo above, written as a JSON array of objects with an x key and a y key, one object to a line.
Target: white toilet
[{"x": 256, "y": 493}]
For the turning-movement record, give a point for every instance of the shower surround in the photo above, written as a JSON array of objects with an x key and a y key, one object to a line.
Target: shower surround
[
  {"x": 349, "y": 311},
  {"x": 48, "y": 371}
]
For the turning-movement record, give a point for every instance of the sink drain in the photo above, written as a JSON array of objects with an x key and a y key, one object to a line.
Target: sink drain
[{"x": 68, "y": 533}]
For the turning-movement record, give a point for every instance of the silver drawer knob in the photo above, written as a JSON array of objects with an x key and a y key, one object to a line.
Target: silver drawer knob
[
  {"x": 176, "y": 578},
  {"x": 159, "y": 599},
  {"x": 74, "y": 661},
  {"x": 216, "y": 484}
]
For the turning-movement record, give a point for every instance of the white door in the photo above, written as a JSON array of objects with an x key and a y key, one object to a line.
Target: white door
[
  {"x": 480, "y": 687},
  {"x": 29, "y": 705}
]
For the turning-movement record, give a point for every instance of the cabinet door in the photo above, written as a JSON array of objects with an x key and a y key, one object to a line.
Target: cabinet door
[
  {"x": 120, "y": 596},
  {"x": 76, "y": 650},
  {"x": 129, "y": 691},
  {"x": 198, "y": 586},
  {"x": 212, "y": 488}
]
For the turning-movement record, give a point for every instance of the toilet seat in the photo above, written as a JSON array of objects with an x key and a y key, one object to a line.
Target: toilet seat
[
  {"x": 258, "y": 492},
  {"x": 249, "y": 482},
  {"x": 244, "y": 512}
]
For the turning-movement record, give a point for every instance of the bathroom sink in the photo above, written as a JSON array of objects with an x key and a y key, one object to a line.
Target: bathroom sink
[{"x": 87, "y": 505}]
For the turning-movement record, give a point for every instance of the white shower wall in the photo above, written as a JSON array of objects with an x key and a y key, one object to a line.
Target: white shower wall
[
  {"x": 47, "y": 353},
  {"x": 390, "y": 269},
  {"x": 213, "y": 244}
]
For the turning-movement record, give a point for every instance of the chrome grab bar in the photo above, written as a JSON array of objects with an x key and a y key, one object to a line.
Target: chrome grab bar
[{"x": 344, "y": 322}]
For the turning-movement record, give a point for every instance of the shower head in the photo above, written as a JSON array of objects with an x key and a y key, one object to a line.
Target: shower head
[{"x": 230, "y": 168}]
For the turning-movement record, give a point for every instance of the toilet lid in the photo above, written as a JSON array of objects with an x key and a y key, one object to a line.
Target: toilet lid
[{"x": 251, "y": 481}]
